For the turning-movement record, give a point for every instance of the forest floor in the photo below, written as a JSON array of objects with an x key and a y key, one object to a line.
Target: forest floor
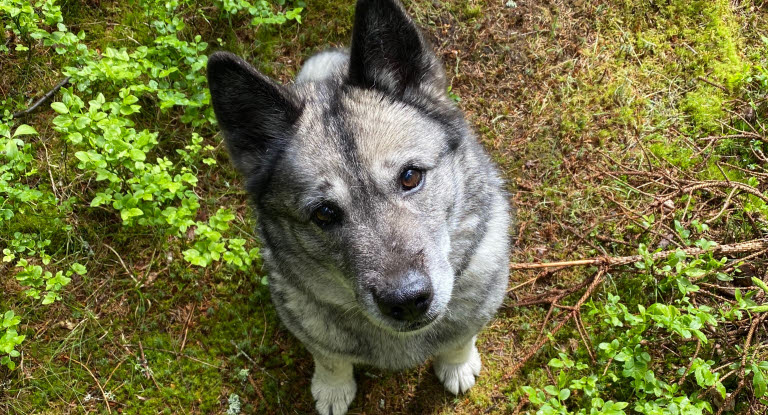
[{"x": 619, "y": 126}]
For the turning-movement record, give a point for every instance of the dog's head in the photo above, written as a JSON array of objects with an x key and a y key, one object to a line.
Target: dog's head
[{"x": 354, "y": 178}]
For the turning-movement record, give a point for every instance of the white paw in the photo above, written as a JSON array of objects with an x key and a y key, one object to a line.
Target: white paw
[
  {"x": 459, "y": 377},
  {"x": 332, "y": 396}
]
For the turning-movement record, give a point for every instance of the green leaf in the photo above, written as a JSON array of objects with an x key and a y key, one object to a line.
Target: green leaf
[
  {"x": 60, "y": 107},
  {"x": 126, "y": 214},
  {"x": 79, "y": 268},
  {"x": 758, "y": 381},
  {"x": 82, "y": 156},
  {"x": 82, "y": 122},
  {"x": 24, "y": 129},
  {"x": 720, "y": 388},
  {"x": 50, "y": 297},
  {"x": 760, "y": 283},
  {"x": 555, "y": 363},
  {"x": 12, "y": 148},
  {"x": 10, "y": 319}
]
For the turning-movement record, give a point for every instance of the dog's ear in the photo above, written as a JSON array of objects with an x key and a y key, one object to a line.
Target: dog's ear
[
  {"x": 254, "y": 112},
  {"x": 390, "y": 54}
]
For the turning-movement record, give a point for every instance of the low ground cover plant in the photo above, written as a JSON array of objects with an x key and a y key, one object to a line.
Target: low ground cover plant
[{"x": 110, "y": 146}]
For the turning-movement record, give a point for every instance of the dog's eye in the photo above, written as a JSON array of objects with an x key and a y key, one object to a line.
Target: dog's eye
[
  {"x": 325, "y": 215},
  {"x": 411, "y": 178}
]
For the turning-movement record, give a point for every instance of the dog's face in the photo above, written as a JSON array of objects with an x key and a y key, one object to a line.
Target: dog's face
[{"x": 355, "y": 175}]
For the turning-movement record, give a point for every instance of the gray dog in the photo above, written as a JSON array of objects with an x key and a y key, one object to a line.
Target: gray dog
[{"x": 383, "y": 222}]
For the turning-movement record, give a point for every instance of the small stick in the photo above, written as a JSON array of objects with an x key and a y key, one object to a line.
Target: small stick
[
  {"x": 539, "y": 344},
  {"x": 551, "y": 297},
  {"x": 130, "y": 274},
  {"x": 44, "y": 98},
  {"x": 242, "y": 352},
  {"x": 103, "y": 394},
  {"x": 725, "y": 206},
  {"x": 709, "y": 184},
  {"x": 186, "y": 328},
  {"x": 746, "y": 134},
  {"x": 749, "y": 246},
  {"x": 113, "y": 372},
  {"x": 584, "y": 335},
  {"x": 147, "y": 370},
  {"x": 743, "y": 260},
  {"x": 520, "y": 405},
  {"x": 523, "y": 283},
  {"x": 688, "y": 370},
  {"x": 716, "y": 85},
  {"x": 256, "y": 388},
  {"x": 742, "y": 381},
  {"x": 575, "y": 263},
  {"x": 177, "y": 354}
]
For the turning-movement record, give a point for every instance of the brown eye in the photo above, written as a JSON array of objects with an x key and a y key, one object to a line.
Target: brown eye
[
  {"x": 325, "y": 215},
  {"x": 411, "y": 178}
]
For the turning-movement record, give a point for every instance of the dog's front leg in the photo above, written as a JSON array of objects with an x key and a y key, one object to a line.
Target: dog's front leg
[
  {"x": 333, "y": 385},
  {"x": 457, "y": 368}
]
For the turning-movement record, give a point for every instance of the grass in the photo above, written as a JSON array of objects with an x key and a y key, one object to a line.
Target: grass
[{"x": 566, "y": 96}]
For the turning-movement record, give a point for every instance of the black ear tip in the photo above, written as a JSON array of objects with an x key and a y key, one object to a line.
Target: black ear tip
[
  {"x": 380, "y": 6},
  {"x": 222, "y": 59},
  {"x": 378, "y": 3}
]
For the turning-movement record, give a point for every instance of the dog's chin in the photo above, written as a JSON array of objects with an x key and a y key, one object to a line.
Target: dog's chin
[
  {"x": 412, "y": 326},
  {"x": 401, "y": 326}
]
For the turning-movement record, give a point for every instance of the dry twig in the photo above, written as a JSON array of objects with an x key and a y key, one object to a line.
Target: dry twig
[
  {"x": 742, "y": 378},
  {"x": 42, "y": 100},
  {"x": 749, "y": 246},
  {"x": 598, "y": 278},
  {"x": 710, "y": 184},
  {"x": 98, "y": 384}
]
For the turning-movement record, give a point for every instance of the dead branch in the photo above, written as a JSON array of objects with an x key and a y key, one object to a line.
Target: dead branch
[
  {"x": 742, "y": 378},
  {"x": 710, "y": 184},
  {"x": 44, "y": 98},
  {"x": 550, "y": 297},
  {"x": 598, "y": 278},
  {"x": 725, "y": 206},
  {"x": 744, "y": 134},
  {"x": 749, "y": 246},
  {"x": 553, "y": 297}
]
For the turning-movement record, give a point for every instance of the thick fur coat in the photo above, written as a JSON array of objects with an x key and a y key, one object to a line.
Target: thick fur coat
[{"x": 383, "y": 221}]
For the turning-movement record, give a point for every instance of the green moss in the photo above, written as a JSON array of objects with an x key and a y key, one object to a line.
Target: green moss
[
  {"x": 472, "y": 11},
  {"x": 674, "y": 154},
  {"x": 705, "y": 106}
]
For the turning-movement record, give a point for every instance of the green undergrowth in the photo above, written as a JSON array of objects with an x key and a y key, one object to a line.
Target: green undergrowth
[
  {"x": 652, "y": 355},
  {"x": 121, "y": 165}
]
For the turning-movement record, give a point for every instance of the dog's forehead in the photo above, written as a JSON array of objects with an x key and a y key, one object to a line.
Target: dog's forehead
[
  {"x": 342, "y": 134},
  {"x": 389, "y": 134}
]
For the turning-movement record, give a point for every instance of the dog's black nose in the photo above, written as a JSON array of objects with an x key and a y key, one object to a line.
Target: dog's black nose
[{"x": 409, "y": 301}]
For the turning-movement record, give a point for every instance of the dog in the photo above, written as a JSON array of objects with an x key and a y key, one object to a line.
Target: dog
[{"x": 383, "y": 222}]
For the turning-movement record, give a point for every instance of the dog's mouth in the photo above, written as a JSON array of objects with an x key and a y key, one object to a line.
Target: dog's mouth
[{"x": 410, "y": 326}]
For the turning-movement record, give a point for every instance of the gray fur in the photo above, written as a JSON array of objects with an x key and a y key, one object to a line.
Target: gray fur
[{"x": 342, "y": 134}]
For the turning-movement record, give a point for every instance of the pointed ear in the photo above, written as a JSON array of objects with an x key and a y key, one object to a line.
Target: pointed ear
[
  {"x": 390, "y": 54},
  {"x": 254, "y": 112}
]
